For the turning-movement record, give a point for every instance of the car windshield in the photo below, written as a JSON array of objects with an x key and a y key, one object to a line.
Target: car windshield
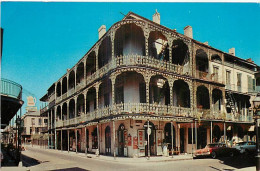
[{"x": 211, "y": 145}]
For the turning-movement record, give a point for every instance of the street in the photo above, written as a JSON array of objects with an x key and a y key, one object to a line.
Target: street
[{"x": 35, "y": 158}]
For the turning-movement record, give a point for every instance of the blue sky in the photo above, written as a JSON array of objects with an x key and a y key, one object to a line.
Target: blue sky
[{"x": 42, "y": 40}]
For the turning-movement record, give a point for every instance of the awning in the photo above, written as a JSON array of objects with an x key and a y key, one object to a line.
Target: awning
[{"x": 252, "y": 128}]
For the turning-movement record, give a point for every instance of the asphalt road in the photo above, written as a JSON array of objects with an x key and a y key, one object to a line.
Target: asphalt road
[{"x": 40, "y": 159}]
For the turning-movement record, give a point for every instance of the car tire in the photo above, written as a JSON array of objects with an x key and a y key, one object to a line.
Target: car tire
[
  {"x": 214, "y": 155},
  {"x": 246, "y": 153}
]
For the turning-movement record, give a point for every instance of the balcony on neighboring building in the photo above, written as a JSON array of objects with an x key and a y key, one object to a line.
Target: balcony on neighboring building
[{"x": 11, "y": 100}]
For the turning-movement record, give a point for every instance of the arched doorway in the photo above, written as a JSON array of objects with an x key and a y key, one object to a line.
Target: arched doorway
[
  {"x": 168, "y": 135},
  {"x": 151, "y": 139},
  {"x": 108, "y": 141},
  {"x": 216, "y": 134},
  {"x": 121, "y": 139}
]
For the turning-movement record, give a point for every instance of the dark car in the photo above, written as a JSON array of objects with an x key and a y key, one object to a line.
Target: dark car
[{"x": 216, "y": 149}]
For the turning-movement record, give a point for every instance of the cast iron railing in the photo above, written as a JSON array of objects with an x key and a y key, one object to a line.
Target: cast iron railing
[{"x": 10, "y": 88}]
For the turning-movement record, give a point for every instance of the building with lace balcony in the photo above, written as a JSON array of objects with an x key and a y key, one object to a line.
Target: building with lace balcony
[{"x": 141, "y": 77}]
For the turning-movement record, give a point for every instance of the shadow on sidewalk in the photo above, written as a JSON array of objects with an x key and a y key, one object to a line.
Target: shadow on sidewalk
[
  {"x": 72, "y": 168},
  {"x": 28, "y": 161}
]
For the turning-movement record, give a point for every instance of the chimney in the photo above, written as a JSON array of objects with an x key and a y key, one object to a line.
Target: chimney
[
  {"x": 156, "y": 17},
  {"x": 101, "y": 31},
  {"x": 188, "y": 31},
  {"x": 206, "y": 43},
  {"x": 232, "y": 51}
]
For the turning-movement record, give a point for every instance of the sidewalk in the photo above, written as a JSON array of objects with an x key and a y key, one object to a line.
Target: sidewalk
[{"x": 121, "y": 159}]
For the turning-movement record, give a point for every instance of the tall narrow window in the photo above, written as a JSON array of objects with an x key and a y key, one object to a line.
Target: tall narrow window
[
  {"x": 239, "y": 75},
  {"x": 215, "y": 73},
  {"x": 33, "y": 121},
  {"x": 228, "y": 74},
  {"x": 40, "y": 121},
  {"x": 249, "y": 85}
]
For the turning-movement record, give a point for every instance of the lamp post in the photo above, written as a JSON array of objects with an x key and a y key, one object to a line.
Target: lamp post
[{"x": 256, "y": 103}]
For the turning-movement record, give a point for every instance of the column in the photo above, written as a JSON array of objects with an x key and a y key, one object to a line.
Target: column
[
  {"x": 196, "y": 135},
  {"x": 85, "y": 72},
  {"x": 75, "y": 82},
  {"x": 85, "y": 99},
  {"x": 61, "y": 89},
  {"x": 97, "y": 90},
  {"x": 172, "y": 137},
  {"x": 68, "y": 110},
  {"x": 48, "y": 126},
  {"x": 211, "y": 132},
  {"x": 113, "y": 80},
  {"x": 75, "y": 108},
  {"x": 51, "y": 131},
  {"x": 98, "y": 140},
  {"x": 61, "y": 139},
  {"x": 68, "y": 131},
  {"x": 61, "y": 117},
  {"x": 76, "y": 135},
  {"x": 170, "y": 41},
  {"x": 67, "y": 82},
  {"x": 223, "y": 107},
  {"x": 147, "y": 82},
  {"x": 210, "y": 100},
  {"x": 96, "y": 52},
  {"x": 112, "y": 37},
  {"x": 225, "y": 132},
  {"x": 192, "y": 138},
  {"x": 86, "y": 143},
  {"x": 146, "y": 35},
  {"x": 55, "y": 121},
  {"x": 191, "y": 54},
  {"x": 114, "y": 138},
  {"x": 171, "y": 81},
  {"x": 148, "y": 139},
  {"x": 191, "y": 99}
]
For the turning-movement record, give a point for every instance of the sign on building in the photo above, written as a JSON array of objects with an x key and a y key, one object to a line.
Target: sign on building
[{"x": 31, "y": 101}]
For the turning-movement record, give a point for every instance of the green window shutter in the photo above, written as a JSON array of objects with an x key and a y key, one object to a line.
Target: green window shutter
[{"x": 253, "y": 82}]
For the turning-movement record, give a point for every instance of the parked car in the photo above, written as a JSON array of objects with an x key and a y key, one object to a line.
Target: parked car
[
  {"x": 216, "y": 149},
  {"x": 246, "y": 147}
]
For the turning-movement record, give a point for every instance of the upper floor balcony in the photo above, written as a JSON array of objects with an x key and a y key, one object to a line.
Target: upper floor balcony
[
  {"x": 137, "y": 109},
  {"x": 213, "y": 77},
  {"x": 119, "y": 62}
]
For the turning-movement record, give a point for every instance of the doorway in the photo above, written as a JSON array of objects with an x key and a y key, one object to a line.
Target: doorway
[
  {"x": 151, "y": 139},
  {"x": 107, "y": 141},
  {"x": 201, "y": 138},
  {"x": 121, "y": 140},
  {"x": 168, "y": 136},
  {"x": 181, "y": 140}
]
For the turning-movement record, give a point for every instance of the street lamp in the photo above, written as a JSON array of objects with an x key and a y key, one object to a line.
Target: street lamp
[{"x": 256, "y": 103}]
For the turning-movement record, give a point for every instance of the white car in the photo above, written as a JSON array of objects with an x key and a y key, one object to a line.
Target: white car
[{"x": 246, "y": 147}]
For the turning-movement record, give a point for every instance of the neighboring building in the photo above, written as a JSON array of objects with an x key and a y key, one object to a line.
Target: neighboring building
[
  {"x": 33, "y": 124},
  {"x": 140, "y": 74}
]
